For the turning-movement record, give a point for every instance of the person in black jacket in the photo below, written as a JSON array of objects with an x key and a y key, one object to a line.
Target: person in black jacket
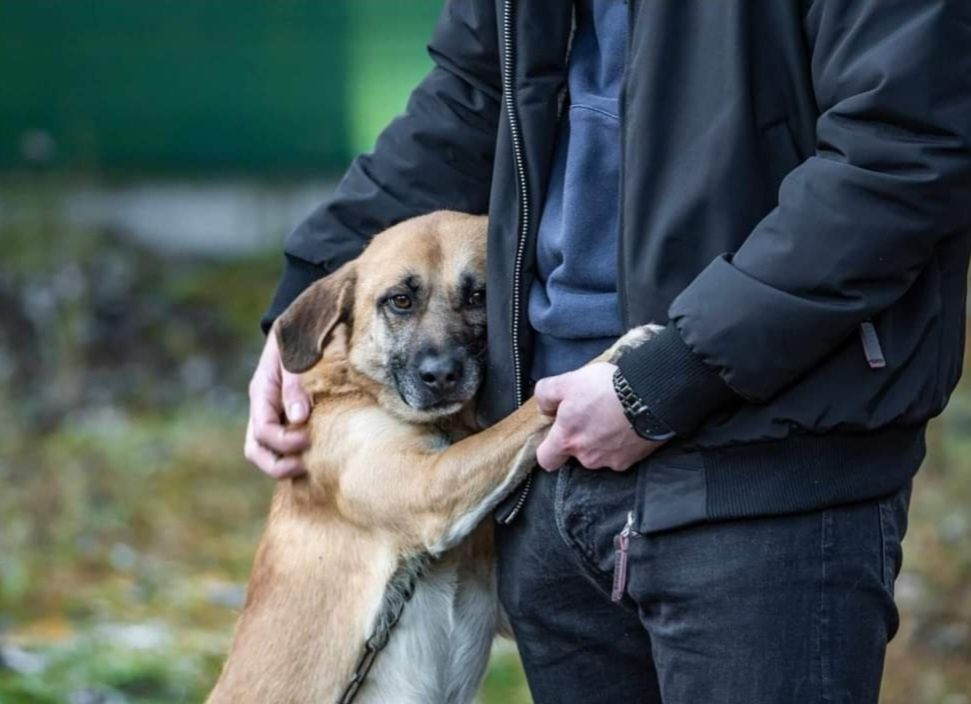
[{"x": 786, "y": 188}]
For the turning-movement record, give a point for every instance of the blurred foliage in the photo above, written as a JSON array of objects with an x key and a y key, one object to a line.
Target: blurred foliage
[{"x": 130, "y": 517}]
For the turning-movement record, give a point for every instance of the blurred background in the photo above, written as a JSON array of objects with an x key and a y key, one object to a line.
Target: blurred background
[{"x": 153, "y": 155}]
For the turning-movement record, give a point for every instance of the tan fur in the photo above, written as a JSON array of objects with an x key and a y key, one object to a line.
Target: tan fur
[{"x": 383, "y": 483}]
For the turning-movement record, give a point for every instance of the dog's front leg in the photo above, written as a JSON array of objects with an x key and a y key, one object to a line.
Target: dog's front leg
[
  {"x": 432, "y": 498},
  {"x": 472, "y": 476},
  {"x": 467, "y": 515},
  {"x": 635, "y": 337}
]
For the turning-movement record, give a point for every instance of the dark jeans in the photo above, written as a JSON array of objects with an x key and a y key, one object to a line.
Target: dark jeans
[{"x": 779, "y": 610}]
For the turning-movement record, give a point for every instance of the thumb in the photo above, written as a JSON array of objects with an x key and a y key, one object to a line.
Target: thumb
[
  {"x": 549, "y": 393},
  {"x": 295, "y": 400}
]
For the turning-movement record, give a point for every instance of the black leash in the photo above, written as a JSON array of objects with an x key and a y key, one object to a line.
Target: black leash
[{"x": 399, "y": 591}]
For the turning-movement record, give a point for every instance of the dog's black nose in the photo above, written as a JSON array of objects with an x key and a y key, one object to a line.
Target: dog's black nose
[{"x": 440, "y": 372}]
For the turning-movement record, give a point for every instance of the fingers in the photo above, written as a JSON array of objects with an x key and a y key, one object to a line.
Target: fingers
[
  {"x": 275, "y": 465},
  {"x": 296, "y": 403},
  {"x": 281, "y": 440},
  {"x": 274, "y": 449},
  {"x": 265, "y": 389},
  {"x": 549, "y": 393},
  {"x": 553, "y": 453},
  {"x": 265, "y": 409}
]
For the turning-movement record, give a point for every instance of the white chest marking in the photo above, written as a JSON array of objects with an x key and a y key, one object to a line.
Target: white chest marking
[{"x": 439, "y": 650}]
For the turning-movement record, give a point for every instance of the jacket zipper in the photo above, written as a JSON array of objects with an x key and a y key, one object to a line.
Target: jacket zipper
[
  {"x": 622, "y": 298},
  {"x": 517, "y": 147}
]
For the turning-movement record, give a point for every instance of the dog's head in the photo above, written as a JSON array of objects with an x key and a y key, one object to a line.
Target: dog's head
[{"x": 414, "y": 305}]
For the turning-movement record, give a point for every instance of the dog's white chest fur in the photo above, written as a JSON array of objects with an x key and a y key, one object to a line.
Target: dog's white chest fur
[{"x": 440, "y": 648}]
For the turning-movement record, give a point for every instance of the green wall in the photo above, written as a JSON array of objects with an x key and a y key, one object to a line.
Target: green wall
[
  {"x": 204, "y": 85},
  {"x": 387, "y": 59}
]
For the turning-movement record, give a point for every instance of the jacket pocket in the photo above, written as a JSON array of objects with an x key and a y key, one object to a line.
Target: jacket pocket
[{"x": 671, "y": 491}]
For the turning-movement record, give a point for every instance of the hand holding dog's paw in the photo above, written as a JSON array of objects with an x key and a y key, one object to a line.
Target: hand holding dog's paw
[{"x": 589, "y": 421}]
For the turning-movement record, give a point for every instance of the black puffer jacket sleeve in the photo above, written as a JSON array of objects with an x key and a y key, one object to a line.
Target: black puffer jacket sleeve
[
  {"x": 436, "y": 155},
  {"x": 856, "y": 223}
]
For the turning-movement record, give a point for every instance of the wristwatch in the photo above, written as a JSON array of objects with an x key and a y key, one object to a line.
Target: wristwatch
[{"x": 641, "y": 419}]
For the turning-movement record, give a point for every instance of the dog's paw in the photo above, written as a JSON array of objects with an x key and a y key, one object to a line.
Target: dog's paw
[
  {"x": 635, "y": 337},
  {"x": 526, "y": 457}
]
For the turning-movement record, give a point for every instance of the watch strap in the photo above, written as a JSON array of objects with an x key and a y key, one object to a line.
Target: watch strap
[{"x": 643, "y": 421}]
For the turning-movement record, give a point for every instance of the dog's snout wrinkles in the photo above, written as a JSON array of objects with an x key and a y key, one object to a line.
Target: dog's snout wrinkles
[{"x": 440, "y": 372}]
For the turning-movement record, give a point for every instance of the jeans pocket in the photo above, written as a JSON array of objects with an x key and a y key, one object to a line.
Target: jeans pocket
[{"x": 591, "y": 507}]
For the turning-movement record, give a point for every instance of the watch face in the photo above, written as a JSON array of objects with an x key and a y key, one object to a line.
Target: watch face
[
  {"x": 643, "y": 424},
  {"x": 650, "y": 427}
]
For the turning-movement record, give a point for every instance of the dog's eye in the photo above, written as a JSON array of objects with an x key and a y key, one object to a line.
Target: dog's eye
[
  {"x": 401, "y": 301},
  {"x": 476, "y": 299}
]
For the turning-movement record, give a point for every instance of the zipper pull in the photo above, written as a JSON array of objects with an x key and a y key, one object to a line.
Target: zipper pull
[
  {"x": 621, "y": 551},
  {"x": 871, "y": 345}
]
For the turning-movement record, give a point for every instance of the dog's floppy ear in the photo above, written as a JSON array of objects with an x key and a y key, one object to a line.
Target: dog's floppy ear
[{"x": 304, "y": 328}]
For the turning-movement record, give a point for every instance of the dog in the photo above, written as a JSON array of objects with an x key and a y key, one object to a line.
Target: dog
[{"x": 384, "y": 528}]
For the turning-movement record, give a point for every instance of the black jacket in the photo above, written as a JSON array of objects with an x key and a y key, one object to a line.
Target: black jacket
[{"x": 795, "y": 174}]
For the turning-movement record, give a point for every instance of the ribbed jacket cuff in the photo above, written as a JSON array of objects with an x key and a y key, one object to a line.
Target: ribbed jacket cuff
[
  {"x": 674, "y": 382},
  {"x": 297, "y": 276}
]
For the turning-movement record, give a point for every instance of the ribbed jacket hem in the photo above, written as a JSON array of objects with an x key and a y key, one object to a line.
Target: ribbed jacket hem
[{"x": 808, "y": 472}]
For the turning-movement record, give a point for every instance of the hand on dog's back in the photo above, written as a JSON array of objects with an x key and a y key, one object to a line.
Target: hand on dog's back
[{"x": 274, "y": 448}]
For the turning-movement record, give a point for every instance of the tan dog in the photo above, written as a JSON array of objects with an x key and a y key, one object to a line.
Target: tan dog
[{"x": 394, "y": 343}]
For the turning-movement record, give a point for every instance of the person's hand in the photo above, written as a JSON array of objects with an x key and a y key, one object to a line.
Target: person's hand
[
  {"x": 590, "y": 423},
  {"x": 270, "y": 445}
]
